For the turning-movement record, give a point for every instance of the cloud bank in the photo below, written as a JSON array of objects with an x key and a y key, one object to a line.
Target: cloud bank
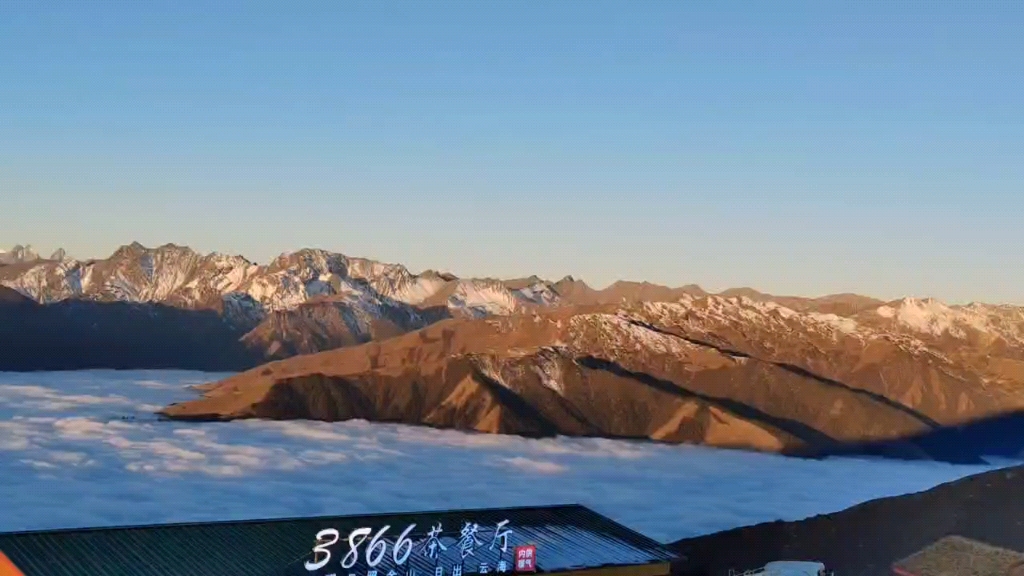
[{"x": 84, "y": 449}]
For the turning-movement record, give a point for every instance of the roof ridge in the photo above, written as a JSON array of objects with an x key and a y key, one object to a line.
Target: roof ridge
[{"x": 292, "y": 519}]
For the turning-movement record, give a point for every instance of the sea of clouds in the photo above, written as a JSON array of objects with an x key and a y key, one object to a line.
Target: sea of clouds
[{"x": 84, "y": 449}]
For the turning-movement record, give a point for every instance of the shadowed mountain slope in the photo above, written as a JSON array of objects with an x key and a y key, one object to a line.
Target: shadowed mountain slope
[{"x": 867, "y": 539}]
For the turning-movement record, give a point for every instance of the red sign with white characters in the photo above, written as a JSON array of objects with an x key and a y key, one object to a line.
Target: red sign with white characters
[{"x": 526, "y": 559}]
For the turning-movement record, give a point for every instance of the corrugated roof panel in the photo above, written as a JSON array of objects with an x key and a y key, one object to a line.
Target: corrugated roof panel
[{"x": 566, "y": 537}]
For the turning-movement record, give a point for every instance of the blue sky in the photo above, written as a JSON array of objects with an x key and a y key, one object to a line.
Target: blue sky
[{"x": 796, "y": 147}]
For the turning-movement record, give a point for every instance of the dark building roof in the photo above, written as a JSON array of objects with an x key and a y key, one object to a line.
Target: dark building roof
[
  {"x": 566, "y": 538},
  {"x": 959, "y": 556}
]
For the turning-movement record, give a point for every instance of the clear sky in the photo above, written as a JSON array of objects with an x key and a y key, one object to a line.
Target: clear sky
[{"x": 796, "y": 147}]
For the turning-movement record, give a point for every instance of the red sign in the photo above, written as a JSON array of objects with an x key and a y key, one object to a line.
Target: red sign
[{"x": 526, "y": 558}]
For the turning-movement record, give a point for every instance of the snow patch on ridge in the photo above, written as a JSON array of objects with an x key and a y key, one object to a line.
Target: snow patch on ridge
[
  {"x": 482, "y": 298},
  {"x": 844, "y": 325},
  {"x": 619, "y": 332},
  {"x": 537, "y": 293},
  {"x": 931, "y": 317},
  {"x": 415, "y": 290},
  {"x": 549, "y": 370},
  {"x": 927, "y": 316}
]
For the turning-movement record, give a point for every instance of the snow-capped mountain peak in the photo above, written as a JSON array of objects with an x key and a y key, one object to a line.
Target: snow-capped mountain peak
[
  {"x": 932, "y": 318},
  {"x": 246, "y": 292}
]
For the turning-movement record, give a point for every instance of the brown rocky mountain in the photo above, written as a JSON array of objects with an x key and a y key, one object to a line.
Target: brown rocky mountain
[
  {"x": 867, "y": 539},
  {"x": 316, "y": 325},
  {"x": 728, "y": 372}
]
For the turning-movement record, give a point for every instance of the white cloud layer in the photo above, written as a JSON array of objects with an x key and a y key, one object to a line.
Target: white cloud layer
[{"x": 84, "y": 449}]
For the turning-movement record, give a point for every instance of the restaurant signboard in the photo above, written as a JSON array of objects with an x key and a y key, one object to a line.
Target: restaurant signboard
[{"x": 430, "y": 551}]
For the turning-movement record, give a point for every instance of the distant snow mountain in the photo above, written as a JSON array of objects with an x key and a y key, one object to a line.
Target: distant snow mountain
[
  {"x": 247, "y": 292},
  {"x": 18, "y": 254},
  {"x": 313, "y": 300},
  {"x": 300, "y": 302},
  {"x": 26, "y": 254}
]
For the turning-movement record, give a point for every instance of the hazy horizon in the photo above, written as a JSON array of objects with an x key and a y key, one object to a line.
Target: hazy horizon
[{"x": 797, "y": 148}]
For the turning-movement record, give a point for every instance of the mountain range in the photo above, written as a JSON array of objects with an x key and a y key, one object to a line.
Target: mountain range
[
  {"x": 302, "y": 302},
  {"x": 354, "y": 338}
]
